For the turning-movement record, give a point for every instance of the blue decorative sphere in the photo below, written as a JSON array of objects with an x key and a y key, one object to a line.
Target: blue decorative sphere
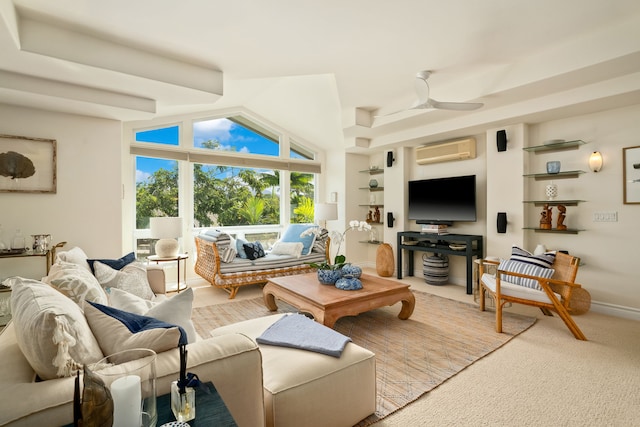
[
  {"x": 352, "y": 270},
  {"x": 349, "y": 283},
  {"x": 328, "y": 277}
]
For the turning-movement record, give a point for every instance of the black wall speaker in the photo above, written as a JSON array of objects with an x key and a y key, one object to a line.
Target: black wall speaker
[
  {"x": 390, "y": 219},
  {"x": 501, "y": 138},
  {"x": 390, "y": 158},
  {"x": 502, "y": 222}
]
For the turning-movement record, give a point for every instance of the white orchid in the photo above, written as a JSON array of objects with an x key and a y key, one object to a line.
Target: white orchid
[{"x": 337, "y": 238}]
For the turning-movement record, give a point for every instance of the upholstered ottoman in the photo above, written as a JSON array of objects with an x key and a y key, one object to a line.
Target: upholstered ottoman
[{"x": 305, "y": 388}]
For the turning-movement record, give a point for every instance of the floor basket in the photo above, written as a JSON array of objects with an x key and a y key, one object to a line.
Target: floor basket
[{"x": 435, "y": 269}]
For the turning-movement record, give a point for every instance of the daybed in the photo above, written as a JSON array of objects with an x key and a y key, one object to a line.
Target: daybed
[{"x": 220, "y": 263}]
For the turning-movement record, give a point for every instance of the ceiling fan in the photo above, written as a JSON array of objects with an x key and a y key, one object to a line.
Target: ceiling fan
[{"x": 424, "y": 102}]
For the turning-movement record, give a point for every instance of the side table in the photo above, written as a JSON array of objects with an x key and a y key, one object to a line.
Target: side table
[{"x": 180, "y": 258}]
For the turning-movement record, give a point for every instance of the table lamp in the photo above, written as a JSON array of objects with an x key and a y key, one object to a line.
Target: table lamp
[
  {"x": 325, "y": 212},
  {"x": 167, "y": 230}
]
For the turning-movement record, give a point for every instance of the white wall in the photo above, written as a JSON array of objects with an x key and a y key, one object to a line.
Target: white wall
[
  {"x": 608, "y": 250},
  {"x": 86, "y": 209}
]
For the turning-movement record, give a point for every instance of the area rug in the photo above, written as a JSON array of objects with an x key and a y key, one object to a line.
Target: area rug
[{"x": 413, "y": 356}]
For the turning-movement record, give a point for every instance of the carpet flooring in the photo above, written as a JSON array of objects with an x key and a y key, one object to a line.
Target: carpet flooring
[{"x": 413, "y": 356}]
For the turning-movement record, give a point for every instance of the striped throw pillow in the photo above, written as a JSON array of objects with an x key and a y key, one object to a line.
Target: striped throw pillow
[
  {"x": 524, "y": 268},
  {"x": 544, "y": 260}
]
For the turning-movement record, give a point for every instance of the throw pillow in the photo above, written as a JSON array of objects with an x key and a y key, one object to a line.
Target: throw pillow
[
  {"x": 227, "y": 254},
  {"x": 240, "y": 247},
  {"x": 544, "y": 260},
  {"x": 524, "y": 268},
  {"x": 116, "y": 264},
  {"x": 254, "y": 250},
  {"x": 319, "y": 245},
  {"x": 51, "y": 329},
  {"x": 287, "y": 248},
  {"x": 132, "y": 278},
  {"x": 175, "y": 310},
  {"x": 76, "y": 283},
  {"x": 293, "y": 232},
  {"x": 117, "y": 330},
  {"x": 75, "y": 255}
]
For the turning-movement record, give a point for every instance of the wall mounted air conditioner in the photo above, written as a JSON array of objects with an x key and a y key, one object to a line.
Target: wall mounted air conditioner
[{"x": 460, "y": 149}]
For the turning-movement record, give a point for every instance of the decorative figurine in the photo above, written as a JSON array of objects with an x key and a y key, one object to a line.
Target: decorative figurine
[
  {"x": 545, "y": 217},
  {"x": 376, "y": 215},
  {"x": 561, "y": 216}
]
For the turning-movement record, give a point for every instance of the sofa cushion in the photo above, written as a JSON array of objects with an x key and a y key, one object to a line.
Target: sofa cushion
[
  {"x": 524, "y": 268},
  {"x": 132, "y": 278},
  {"x": 293, "y": 234},
  {"x": 227, "y": 254},
  {"x": 116, "y": 264},
  {"x": 175, "y": 310},
  {"x": 74, "y": 255},
  {"x": 320, "y": 243},
  {"x": 118, "y": 330},
  {"x": 240, "y": 242},
  {"x": 75, "y": 282},
  {"x": 51, "y": 329},
  {"x": 254, "y": 250}
]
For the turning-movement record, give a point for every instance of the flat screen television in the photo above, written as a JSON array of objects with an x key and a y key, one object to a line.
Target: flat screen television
[{"x": 443, "y": 200}]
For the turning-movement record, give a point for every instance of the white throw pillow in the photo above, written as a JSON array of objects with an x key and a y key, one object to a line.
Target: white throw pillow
[
  {"x": 51, "y": 329},
  {"x": 75, "y": 256},
  {"x": 76, "y": 283},
  {"x": 132, "y": 278},
  {"x": 287, "y": 248},
  {"x": 175, "y": 310}
]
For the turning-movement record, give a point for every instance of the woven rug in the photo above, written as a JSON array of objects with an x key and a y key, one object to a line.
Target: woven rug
[{"x": 413, "y": 356}]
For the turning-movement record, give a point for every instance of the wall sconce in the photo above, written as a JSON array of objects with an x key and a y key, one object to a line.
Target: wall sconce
[
  {"x": 595, "y": 161},
  {"x": 391, "y": 157}
]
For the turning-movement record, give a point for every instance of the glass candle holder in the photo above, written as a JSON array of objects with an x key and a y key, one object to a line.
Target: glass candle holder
[
  {"x": 130, "y": 376},
  {"x": 183, "y": 405}
]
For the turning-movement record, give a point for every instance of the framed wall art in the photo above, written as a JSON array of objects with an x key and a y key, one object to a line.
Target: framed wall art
[
  {"x": 631, "y": 175},
  {"x": 27, "y": 165}
]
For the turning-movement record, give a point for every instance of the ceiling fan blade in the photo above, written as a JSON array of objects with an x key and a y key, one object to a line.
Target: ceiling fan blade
[
  {"x": 422, "y": 89},
  {"x": 458, "y": 106}
]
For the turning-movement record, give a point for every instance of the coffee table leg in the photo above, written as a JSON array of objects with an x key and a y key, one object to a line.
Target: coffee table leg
[
  {"x": 269, "y": 299},
  {"x": 408, "y": 304}
]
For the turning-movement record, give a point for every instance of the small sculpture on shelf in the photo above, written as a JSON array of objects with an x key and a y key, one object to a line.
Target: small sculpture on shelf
[
  {"x": 545, "y": 217},
  {"x": 561, "y": 216},
  {"x": 370, "y": 216},
  {"x": 376, "y": 215}
]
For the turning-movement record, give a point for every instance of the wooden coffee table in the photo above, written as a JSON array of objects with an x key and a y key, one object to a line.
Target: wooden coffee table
[{"x": 326, "y": 303}]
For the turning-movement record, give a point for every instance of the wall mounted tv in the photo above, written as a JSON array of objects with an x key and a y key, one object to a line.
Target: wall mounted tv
[{"x": 443, "y": 200}]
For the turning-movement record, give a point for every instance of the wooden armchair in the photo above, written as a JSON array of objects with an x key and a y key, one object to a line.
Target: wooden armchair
[{"x": 560, "y": 293}]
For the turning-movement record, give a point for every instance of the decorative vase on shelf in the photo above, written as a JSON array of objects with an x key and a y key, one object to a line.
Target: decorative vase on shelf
[
  {"x": 373, "y": 183},
  {"x": 553, "y": 167},
  {"x": 349, "y": 283},
  {"x": 551, "y": 191},
  {"x": 540, "y": 249},
  {"x": 328, "y": 277}
]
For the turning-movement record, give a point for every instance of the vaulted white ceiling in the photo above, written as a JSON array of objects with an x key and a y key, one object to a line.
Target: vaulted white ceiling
[{"x": 328, "y": 71}]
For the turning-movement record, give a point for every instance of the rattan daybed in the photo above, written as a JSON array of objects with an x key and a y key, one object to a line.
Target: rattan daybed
[{"x": 230, "y": 276}]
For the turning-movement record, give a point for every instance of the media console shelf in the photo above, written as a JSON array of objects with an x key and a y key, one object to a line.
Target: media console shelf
[{"x": 439, "y": 244}]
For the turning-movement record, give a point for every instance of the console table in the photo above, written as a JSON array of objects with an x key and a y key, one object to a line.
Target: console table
[{"x": 426, "y": 242}]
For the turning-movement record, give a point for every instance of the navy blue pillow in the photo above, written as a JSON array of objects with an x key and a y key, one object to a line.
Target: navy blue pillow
[
  {"x": 254, "y": 250},
  {"x": 116, "y": 264}
]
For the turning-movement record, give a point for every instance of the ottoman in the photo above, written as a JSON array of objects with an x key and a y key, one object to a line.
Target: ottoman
[{"x": 305, "y": 388}]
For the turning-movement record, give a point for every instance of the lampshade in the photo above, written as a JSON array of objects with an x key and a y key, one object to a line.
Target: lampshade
[
  {"x": 326, "y": 211},
  {"x": 595, "y": 161},
  {"x": 166, "y": 229}
]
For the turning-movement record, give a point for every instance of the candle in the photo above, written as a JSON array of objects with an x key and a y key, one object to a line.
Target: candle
[{"x": 127, "y": 396}]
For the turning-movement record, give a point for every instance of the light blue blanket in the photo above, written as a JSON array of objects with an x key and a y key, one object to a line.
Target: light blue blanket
[{"x": 298, "y": 331}]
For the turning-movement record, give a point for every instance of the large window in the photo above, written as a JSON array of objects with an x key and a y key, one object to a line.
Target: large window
[{"x": 222, "y": 172}]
